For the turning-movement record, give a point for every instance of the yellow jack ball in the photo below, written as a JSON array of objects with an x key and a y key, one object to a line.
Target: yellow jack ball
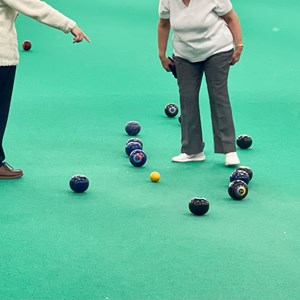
[{"x": 154, "y": 176}]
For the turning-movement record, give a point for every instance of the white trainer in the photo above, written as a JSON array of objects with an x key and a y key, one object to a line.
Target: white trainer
[
  {"x": 183, "y": 157},
  {"x": 231, "y": 159}
]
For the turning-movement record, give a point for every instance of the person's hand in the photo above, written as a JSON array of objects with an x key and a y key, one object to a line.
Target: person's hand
[
  {"x": 79, "y": 35},
  {"x": 236, "y": 55},
  {"x": 165, "y": 62}
]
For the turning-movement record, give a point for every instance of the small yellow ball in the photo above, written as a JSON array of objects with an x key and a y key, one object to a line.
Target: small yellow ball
[{"x": 154, "y": 176}]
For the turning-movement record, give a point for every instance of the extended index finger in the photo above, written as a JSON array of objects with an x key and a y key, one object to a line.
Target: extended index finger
[{"x": 86, "y": 38}]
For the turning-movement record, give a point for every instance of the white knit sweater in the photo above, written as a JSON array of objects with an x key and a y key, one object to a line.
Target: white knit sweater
[{"x": 36, "y": 9}]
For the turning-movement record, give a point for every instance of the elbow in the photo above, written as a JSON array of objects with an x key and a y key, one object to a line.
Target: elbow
[
  {"x": 228, "y": 20},
  {"x": 165, "y": 27},
  {"x": 164, "y": 24}
]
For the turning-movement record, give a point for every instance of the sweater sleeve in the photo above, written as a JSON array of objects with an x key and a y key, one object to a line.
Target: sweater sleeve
[{"x": 42, "y": 12}]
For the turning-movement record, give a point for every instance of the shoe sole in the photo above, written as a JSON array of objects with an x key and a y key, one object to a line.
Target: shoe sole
[
  {"x": 188, "y": 160},
  {"x": 232, "y": 164},
  {"x": 10, "y": 177}
]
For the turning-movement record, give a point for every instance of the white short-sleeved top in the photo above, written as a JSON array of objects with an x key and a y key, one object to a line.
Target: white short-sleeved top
[{"x": 198, "y": 29}]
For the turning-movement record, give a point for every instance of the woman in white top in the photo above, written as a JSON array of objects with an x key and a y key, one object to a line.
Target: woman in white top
[
  {"x": 207, "y": 39},
  {"x": 9, "y": 56}
]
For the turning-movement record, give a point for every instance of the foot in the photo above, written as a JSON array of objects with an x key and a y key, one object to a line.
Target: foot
[
  {"x": 183, "y": 157},
  {"x": 231, "y": 159},
  {"x": 7, "y": 172}
]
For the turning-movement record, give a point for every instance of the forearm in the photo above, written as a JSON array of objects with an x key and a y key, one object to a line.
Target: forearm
[
  {"x": 235, "y": 28},
  {"x": 163, "y": 36}
]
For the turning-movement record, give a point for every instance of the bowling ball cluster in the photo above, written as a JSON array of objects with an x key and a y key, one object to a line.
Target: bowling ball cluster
[
  {"x": 240, "y": 178},
  {"x": 134, "y": 149},
  {"x": 239, "y": 181},
  {"x": 134, "y": 146}
]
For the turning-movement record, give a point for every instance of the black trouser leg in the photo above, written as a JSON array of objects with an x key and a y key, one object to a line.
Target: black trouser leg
[{"x": 7, "y": 78}]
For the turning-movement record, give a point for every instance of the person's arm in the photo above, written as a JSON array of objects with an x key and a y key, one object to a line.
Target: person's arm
[
  {"x": 163, "y": 36},
  {"x": 233, "y": 23},
  {"x": 44, "y": 13}
]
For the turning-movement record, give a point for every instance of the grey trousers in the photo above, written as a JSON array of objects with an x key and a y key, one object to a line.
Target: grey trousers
[{"x": 189, "y": 78}]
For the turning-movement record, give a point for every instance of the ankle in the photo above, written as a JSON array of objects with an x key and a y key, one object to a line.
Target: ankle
[{"x": 231, "y": 153}]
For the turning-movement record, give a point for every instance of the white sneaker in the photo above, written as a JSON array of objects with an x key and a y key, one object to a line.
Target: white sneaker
[
  {"x": 183, "y": 157},
  {"x": 231, "y": 159}
]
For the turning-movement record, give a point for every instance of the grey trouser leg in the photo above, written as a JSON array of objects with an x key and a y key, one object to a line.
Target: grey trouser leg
[
  {"x": 216, "y": 74},
  {"x": 216, "y": 69},
  {"x": 189, "y": 78}
]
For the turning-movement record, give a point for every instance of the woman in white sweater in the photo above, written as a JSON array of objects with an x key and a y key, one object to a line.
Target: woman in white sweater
[{"x": 9, "y": 56}]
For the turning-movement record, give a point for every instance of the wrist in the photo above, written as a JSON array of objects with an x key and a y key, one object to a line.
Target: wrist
[
  {"x": 239, "y": 45},
  {"x": 162, "y": 56}
]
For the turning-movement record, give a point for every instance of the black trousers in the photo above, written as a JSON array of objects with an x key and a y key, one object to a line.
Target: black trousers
[{"x": 7, "y": 78}]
